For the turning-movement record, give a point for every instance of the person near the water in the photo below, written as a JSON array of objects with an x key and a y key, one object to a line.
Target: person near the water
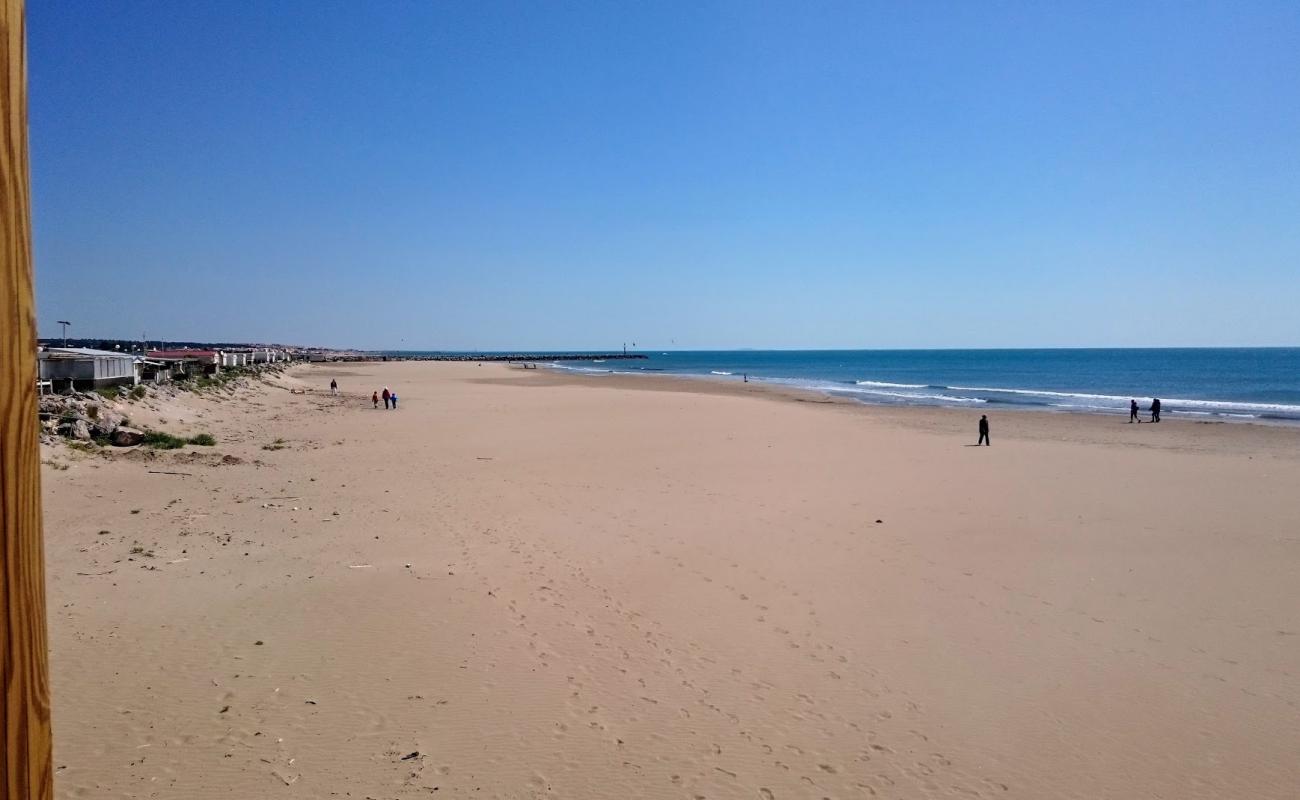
[
  {"x": 334, "y": 388},
  {"x": 386, "y": 394},
  {"x": 374, "y": 398},
  {"x": 984, "y": 431},
  {"x": 393, "y": 397},
  {"x": 1155, "y": 409},
  {"x": 1133, "y": 411}
]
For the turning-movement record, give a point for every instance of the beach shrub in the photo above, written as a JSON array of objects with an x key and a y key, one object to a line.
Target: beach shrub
[
  {"x": 138, "y": 393},
  {"x": 278, "y": 444},
  {"x": 163, "y": 441},
  {"x": 203, "y": 440}
]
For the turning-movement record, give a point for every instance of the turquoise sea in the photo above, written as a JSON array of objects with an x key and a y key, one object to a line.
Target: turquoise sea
[{"x": 1223, "y": 383}]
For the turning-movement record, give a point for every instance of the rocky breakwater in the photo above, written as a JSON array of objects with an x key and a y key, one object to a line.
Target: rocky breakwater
[{"x": 87, "y": 416}]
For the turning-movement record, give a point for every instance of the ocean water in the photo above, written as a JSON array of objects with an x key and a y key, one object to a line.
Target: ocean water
[{"x": 1209, "y": 383}]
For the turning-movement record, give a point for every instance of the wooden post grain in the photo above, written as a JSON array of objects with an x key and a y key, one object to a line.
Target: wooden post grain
[{"x": 26, "y": 773}]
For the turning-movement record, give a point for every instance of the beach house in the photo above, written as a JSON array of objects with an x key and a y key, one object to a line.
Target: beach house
[
  {"x": 188, "y": 363},
  {"x": 68, "y": 368}
]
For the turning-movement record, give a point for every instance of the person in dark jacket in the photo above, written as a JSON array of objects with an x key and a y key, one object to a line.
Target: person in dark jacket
[
  {"x": 1155, "y": 409},
  {"x": 1133, "y": 411},
  {"x": 984, "y": 431}
]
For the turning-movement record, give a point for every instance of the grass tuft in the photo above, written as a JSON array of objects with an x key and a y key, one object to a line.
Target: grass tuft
[{"x": 163, "y": 441}]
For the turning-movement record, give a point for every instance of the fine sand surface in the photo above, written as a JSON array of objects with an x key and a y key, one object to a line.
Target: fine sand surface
[{"x": 521, "y": 585}]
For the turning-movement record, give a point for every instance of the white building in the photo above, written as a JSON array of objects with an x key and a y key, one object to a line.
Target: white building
[{"x": 84, "y": 368}]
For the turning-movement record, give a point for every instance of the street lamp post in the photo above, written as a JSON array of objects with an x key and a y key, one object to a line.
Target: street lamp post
[{"x": 65, "y": 325}]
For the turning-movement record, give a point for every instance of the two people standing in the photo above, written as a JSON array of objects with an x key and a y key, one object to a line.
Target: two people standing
[{"x": 1133, "y": 410}]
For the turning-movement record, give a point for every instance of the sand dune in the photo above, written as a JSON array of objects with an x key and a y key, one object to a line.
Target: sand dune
[{"x": 522, "y": 585}]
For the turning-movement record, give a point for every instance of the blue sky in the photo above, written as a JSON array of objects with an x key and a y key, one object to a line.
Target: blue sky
[{"x": 577, "y": 175}]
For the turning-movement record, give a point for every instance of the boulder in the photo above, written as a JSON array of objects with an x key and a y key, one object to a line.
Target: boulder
[
  {"x": 80, "y": 430},
  {"x": 106, "y": 423},
  {"x": 127, "y": 437}
]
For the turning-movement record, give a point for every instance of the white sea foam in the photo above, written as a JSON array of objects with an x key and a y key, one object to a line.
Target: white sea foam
[
  {"x": 892, "y": 385},
  {"x": 942, "y": 398},
  {"x": 716, "y": 372},
  {"x": 1172, "y": 404}
]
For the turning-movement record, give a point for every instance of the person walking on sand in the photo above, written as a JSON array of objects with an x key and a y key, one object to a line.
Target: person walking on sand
[
  {"x": 374, "y": 398},
  {"x": 334, "y": 388},
  {"x": 393, "y": 397},
  {"x": 1155, "y": 409},
  {"x": 386, "y": 395},
  {"x": 984, "y": 431},
  {"x": 1133, "y": 412}
]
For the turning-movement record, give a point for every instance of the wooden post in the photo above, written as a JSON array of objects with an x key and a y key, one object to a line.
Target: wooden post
[{"x": 24, "y": 667}]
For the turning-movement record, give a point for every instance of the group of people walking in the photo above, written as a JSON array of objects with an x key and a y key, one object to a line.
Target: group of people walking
[
  {"x": 1132, "y": 417},
  {"x": 387, "y": 395},
  {"x": 389, "y": 398}
]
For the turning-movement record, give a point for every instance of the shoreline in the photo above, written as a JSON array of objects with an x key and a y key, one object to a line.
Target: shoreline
[
  {"x": 841, "y": 394},
  {"x": 1280, "y": 440}
]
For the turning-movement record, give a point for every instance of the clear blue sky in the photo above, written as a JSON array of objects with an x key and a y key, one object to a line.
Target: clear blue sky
[{"x": 576, "y": 175}]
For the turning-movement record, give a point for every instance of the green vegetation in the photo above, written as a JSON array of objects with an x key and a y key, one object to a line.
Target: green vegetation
[
  {"x": 138, "y": 393},
  {"x": 218, "y": 380},
  {"x": 278, "y": 444},
  {"x": 107, "y": 392},
  {"x": 85, "y": 447},
  {"x": 164, "y": 441}
]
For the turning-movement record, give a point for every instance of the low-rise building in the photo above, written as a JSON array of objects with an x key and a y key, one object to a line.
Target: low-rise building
[
  {"x": 188, "y": 363},
  {"x": 68, "y": 368}
]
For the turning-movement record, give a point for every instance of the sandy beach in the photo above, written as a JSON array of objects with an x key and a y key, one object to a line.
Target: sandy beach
[{"x": 527, "y": 585}]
